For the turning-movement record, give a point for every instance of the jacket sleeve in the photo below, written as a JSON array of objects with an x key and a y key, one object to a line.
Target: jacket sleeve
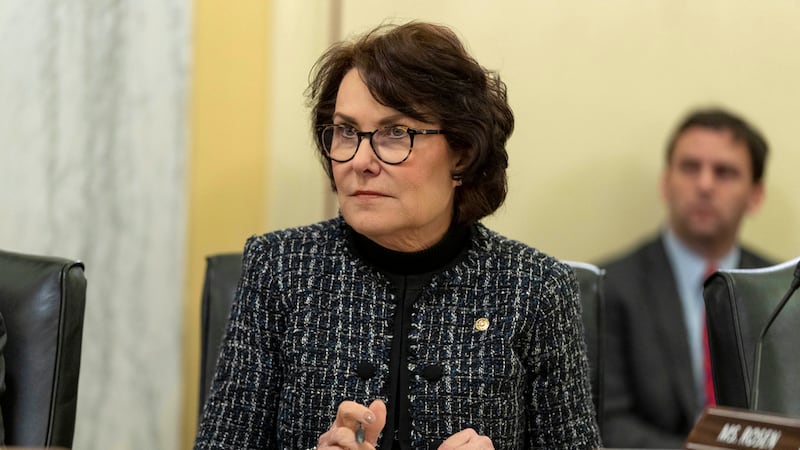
[
  {"x": 240, "y": 412},
  {"x": 561, "y": 412}
]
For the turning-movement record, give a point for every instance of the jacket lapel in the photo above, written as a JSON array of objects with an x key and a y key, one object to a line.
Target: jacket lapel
[{"x": 671, "y": 329}]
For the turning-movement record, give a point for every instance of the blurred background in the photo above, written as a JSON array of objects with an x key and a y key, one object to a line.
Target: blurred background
[{"x": 140, "y": 136}]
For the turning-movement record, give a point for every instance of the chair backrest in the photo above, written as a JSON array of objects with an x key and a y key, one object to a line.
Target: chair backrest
[
  {"x": 590, "y": 281},
  {"x": 739, "y": 303},
  {"x": 42, "y": 301},
  {"x": 221, "y": 280}
]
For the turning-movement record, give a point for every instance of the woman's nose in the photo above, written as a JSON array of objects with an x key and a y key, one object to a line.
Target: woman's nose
[{"x": 365, "y": 160}]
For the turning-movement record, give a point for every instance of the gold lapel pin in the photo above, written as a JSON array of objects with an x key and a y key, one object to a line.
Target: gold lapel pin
[{"x": 482, "y": 324}]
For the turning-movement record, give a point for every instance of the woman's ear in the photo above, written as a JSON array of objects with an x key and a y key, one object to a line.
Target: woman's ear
[{"x": 457, "y": 164}]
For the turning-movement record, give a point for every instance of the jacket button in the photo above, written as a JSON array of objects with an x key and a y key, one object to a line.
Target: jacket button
[
  {"x": 432, "y": 373},
  {"x": 365, "y": 370}
]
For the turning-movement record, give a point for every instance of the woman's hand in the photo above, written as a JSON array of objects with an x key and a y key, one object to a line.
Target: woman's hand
[
  {"x": 349, "y": 417},
  {"x": 467, "y": 439}
]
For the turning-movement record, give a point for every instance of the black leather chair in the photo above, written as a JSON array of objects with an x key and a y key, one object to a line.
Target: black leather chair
[
  {"x": 42, "y": 301},
  {"x": 219, "y": 289},
  {"x": 222, "y": 277},
  {"x": 590, "y": 281},
  {"x": 739, "y": 303}
]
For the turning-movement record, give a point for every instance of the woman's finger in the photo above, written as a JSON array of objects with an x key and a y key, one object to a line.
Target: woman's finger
[
  {"x": 355, "y": 427},
  {"x": 373, "y": 428},
  {"x": 350, "y": 414},
  {"x": 467, "y": 439}
]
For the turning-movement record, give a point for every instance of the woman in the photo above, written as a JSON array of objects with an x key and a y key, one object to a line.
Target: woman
[{"x": 403, "y": 323}]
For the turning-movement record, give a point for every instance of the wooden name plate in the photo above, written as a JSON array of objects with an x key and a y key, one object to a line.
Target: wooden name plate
[{"x": 740, "y": 429}]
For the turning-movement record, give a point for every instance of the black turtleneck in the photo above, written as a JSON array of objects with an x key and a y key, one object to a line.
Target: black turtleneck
[{"x": 409, "y": 273}]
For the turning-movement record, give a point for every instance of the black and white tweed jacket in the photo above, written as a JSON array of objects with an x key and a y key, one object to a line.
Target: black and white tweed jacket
[{"x": 308, "y": 311}]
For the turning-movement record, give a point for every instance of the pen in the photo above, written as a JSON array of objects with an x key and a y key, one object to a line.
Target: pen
[{"x": 360, "y": 435}]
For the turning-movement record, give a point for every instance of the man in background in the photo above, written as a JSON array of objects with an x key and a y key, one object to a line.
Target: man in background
[{"x": 657, "y": 372}]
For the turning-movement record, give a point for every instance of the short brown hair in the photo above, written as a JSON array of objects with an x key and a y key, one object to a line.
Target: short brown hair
[
  {"x": 424, "y": 71},
  {"x": 722, "y": 120}
]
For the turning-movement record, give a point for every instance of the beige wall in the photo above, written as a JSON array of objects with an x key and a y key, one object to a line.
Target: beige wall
[
  {"x": 227, "y": 165},
  {"x": 596, "y": 87}
]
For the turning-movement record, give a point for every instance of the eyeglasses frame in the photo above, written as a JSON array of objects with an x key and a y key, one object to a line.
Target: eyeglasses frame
[{"x": 361, "y": 134}]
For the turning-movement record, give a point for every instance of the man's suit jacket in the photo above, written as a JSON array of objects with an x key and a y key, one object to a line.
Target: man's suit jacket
[{"x": 650, "y": 396}]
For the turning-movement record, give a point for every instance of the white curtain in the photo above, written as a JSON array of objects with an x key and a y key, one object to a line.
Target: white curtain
[{"x": 93, "y": 118}]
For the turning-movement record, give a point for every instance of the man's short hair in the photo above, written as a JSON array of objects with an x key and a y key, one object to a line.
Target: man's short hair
[{"x": 722, "y": 120}]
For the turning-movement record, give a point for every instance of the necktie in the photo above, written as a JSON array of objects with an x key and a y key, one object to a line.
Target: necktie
[{"x": 709, "y": 380}]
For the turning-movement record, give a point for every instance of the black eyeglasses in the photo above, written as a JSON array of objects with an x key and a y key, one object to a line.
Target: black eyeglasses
[{"x": 392, "y": 144}]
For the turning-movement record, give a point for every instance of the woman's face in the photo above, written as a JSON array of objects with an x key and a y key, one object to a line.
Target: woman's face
[{"x": 405, "y": 207}]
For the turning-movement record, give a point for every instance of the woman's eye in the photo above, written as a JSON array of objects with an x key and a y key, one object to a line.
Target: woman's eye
[
  {"x": 397, "y": 132},
  {"x": 348, "y": 132}
]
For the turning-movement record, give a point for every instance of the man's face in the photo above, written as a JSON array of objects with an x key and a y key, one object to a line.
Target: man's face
[{"x": 708, "y": 186}]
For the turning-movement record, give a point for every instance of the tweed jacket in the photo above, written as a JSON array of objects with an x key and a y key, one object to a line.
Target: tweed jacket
[{"x": 308, "y": 311}]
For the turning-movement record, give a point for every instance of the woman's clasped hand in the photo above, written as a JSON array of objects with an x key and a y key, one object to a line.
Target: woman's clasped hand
[{"x": 352, "y": 416}]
